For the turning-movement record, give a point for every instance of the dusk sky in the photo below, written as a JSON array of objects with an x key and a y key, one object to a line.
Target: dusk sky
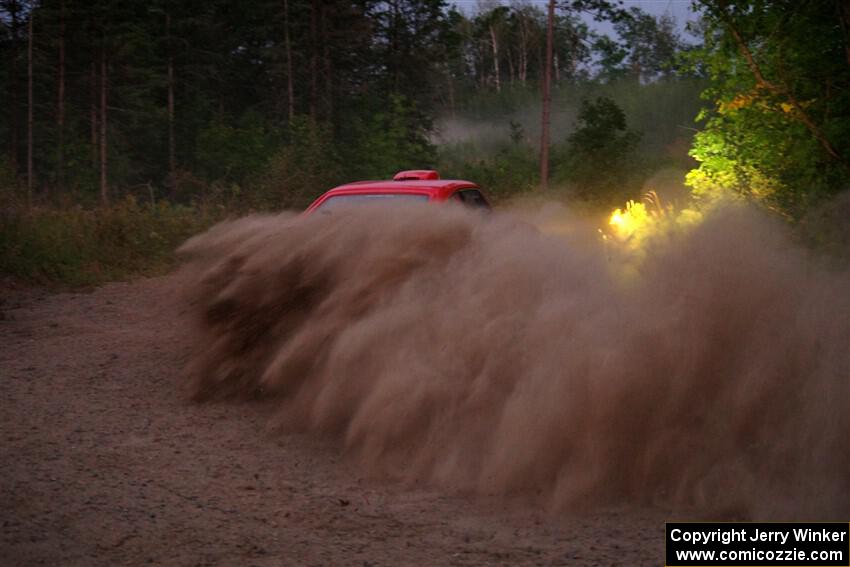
[{"x": 679, "y": 9}]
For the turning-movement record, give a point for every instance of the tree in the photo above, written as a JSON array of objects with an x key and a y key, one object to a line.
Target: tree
[
  {"x": 780, "y": 129},
  {"x": 598, "y": 155},
  {"x": 611, "y": 55},
  {"x": 572, "y": 43},
  {"x": 408, "y": 38},
  {"x": 647, "y": 47},
  {"x": 492, "y": 25},
  {"x": 651, "y": 44},
  {"x": 527, "y": 31}
]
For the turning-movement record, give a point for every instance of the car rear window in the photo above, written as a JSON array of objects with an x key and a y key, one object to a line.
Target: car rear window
[
  {"x": 339, "y": 201},
  {"x": 471, "y": 198}
]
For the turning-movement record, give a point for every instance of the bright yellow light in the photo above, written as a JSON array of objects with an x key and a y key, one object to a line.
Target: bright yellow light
[
  {"x": 617, "y": 218},
  {"x": 639, "y": 222},
  {"x": 631, "y": 222},
  {"x": 636, "y": 231}
]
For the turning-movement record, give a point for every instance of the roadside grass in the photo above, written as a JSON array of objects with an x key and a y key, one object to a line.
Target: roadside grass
[{"x": 80, "y": 247}]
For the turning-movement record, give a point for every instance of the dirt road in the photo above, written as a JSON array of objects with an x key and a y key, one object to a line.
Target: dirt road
[{"x": 105, "y": 462}]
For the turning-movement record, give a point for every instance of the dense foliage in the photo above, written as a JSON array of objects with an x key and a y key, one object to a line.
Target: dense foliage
[
  {"x": 263, "y": 104},
  {"x": 269, "y": 102},
  {"x": 778, "y": 128}
]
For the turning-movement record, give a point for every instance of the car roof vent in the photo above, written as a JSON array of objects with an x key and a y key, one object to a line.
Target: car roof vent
[{"x": 421, "y": 174}]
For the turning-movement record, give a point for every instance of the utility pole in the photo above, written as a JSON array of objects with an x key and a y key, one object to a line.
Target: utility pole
[{"x": 547, "y": 100}]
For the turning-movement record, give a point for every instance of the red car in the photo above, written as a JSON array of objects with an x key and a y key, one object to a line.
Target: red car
[{"x": 420, "y": 184}]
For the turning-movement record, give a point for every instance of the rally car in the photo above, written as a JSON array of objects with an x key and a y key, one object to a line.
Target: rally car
[{"x": 413, "y": 185}]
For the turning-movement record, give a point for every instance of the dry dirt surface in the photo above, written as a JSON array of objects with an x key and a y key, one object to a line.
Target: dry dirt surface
[{"x": 105, "y": 461}]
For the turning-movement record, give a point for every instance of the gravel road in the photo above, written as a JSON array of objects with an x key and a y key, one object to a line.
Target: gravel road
[{"x": 106, "y": 462}]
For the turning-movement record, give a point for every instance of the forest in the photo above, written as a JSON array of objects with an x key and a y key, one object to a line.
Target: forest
[{"x": 129, "y": 126}]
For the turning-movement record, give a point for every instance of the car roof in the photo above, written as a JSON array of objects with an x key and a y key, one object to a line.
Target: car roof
[{"x": 431, "y": 187}]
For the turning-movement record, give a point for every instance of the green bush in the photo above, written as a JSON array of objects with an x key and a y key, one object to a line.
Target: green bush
[{"x": 511, "y": 170}]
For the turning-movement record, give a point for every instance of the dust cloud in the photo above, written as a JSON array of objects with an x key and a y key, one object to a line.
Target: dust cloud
[{"x": 479, "y": 353}]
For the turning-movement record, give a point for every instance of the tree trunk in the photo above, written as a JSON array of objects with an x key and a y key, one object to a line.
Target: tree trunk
[
  {"x": 93, "y": 110},
  {"x": 60, "y": 103},
  {"x": 290, "y": 93},
  {"x": 172, "y": 150},
  {"x": 93, "y": 95},
  {"x": 104, "y": 80},
  {"x": 13, "y": 88},
  {"x": 523, "y": 52},
  {"x": 547, "y": 100},
  {"x": 29, "y": 110},
  {"x": 524, "y": 72},
  {"x": 314, "y": 57},
  {"x": 326, "y": 55},
  {"x": 495, "y": 44},
  {"x": 394, "y": 58},
  {"x": 523, "y": 64}
]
